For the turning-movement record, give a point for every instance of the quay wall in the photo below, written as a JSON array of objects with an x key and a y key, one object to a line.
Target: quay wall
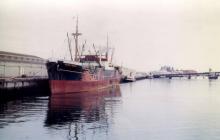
[{"x": 18, "y": 89}]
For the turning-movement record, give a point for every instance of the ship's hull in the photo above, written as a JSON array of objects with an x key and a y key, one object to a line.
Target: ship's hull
[
  {"x": 68, "y": 86},
  {"x": 71, "y": 78}
]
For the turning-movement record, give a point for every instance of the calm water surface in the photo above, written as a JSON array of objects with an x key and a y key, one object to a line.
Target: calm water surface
[{"x": 174, "y": 109}]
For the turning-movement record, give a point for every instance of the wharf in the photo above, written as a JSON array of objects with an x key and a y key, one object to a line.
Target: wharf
[
  {"x": 188, "y": 75},
  {"x": 23, "y": 86},
  {"x": 19, "y": 82}
]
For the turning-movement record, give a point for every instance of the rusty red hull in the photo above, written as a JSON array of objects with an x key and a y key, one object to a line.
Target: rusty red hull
[{"x": 69, "y": 86}]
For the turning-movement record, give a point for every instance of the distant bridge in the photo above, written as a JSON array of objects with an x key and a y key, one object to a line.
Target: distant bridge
[{"x": 189, "y": 75}]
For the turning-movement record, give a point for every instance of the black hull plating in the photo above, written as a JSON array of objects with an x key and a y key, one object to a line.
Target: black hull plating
[{"x": 66, "y": 71}]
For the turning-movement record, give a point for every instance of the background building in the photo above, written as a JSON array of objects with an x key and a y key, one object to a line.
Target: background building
[{"x": 17, "y": 65}]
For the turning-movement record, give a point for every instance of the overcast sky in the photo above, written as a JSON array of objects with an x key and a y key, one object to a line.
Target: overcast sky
[{"x": 146, "y": 34}]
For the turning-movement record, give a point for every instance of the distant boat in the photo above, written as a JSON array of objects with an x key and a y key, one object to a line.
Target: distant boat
[
  {"x": 149, "y": 76},
  {"x": 212, "y": 75},
  {"x": 130, "y": 77},
  {"x": 140, "y": 75}
]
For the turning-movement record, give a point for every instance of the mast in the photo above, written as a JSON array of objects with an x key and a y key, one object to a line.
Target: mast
[
  {"x": 106, "y": 55},
  {"x": 76, "y": 37},
  {"x": 98, "y": 56},
  {"x": 83, "y": 48},
  {"x": 113, "y": 51}
]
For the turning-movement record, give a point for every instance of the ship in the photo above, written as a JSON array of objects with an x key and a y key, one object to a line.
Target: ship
[{"x": 84, "y": 72}]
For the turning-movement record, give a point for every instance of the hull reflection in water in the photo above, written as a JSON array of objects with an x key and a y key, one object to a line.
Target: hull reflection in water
[{"x": 86, "y": 107}]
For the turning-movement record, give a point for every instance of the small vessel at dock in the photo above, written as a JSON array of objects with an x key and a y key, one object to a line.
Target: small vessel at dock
[
  {"x": 213, "y": 75},
  {"x": 85, "y": 73},
  {"x": 130, "y": 77}
]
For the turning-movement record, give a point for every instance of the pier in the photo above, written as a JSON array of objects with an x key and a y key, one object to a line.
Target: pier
[
  {"x": 16, "y": 83},
  {"x": 188, "y": 75},
  {"x": 11, "y": 88}
]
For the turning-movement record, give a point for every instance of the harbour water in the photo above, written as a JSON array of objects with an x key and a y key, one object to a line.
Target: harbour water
[{"x": 156, "y": 109}]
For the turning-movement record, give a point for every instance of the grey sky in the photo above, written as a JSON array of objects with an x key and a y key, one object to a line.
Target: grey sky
[{"x": 146, "y": 34}]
